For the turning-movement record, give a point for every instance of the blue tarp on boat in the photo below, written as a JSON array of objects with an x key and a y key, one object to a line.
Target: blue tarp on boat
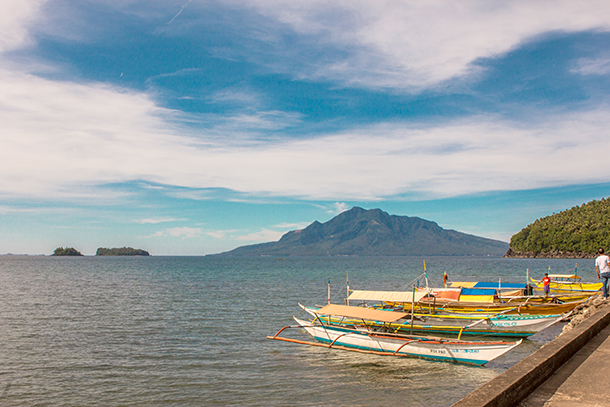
[{"x": 477, "y": 291}]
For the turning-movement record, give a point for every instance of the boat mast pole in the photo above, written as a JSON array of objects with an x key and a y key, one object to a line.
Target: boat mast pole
[
  {"x": 499, "y": 287},
  {"x": 427, "y": 288},
  {"x": 412, "y": 308},
  {"x": 426, "y": 277},
  {"x": 329, "y": 291},
  {"x": 347, "y": 280}
]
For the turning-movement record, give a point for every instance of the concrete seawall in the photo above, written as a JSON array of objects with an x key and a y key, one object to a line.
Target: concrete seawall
[{"x": 518, "y": 382}]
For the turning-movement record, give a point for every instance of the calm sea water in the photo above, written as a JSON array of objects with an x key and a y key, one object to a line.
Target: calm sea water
[{"x": 191, "y": 331}]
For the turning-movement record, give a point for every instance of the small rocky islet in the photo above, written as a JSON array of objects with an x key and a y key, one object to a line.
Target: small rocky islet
[{"x": 102, "y": 251}]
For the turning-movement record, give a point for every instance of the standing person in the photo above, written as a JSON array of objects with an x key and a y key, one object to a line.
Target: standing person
[
  {"x": 546, "y": 281},
  {"x": 602, "y": 267},
  {"x": 445, "y": 279}
]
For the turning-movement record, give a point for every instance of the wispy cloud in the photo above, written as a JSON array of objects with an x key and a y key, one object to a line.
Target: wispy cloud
[
  {"x": 415, "y": 45},
  {"x": 291, "y": 226},
  {"x": 15, "y": 17},
  {"x": 339, "y": 207},
  {"x": 263, "y": 235},
  {"x": 179, "y": 12},
  {"x": 73, "y": 144},
  {"x": 235, "y": 96},
  {"x": 183, "y": 232},
  {"x": 593, "y": 66},
  {"x": 159, "y": 220},
  {"x": 221, "y": 234}
]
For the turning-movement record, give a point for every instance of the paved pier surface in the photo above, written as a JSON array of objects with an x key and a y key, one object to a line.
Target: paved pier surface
[
  {"x": 582, "y": 381},
  {"x": 572, "y": 370}
]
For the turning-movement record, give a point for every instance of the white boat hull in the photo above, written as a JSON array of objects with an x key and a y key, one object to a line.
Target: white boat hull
[{"x": 477, "y": 353}]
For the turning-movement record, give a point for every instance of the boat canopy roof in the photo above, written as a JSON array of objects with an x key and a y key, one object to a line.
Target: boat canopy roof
[
  {"x": 360, "y": 313},
  {"x": 386, "y": 296},
  {"x": 491, "y": 285},
  {"x": 564, "y": 276}
]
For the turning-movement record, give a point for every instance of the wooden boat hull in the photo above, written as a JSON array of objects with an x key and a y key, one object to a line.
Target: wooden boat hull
[
  {"x": 448, "y": 350},
  {"x": 490, "y": 325}
]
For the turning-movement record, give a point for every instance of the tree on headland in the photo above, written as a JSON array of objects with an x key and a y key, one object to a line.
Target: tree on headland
[
  {"x": 580, "y": 231},
  {"x": 66, "y": 251},
  {"x": 122, "y": 251}
]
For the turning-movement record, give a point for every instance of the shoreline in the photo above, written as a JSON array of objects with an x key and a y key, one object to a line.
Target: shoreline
[{"x": 556, "y": 254}]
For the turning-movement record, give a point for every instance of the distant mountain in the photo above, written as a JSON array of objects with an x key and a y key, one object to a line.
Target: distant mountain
[
  {"x": 360, "y": 232},
  {"x": 577, "y": 232}
]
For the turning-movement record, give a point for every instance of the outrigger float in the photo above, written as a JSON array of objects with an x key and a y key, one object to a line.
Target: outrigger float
[{"x": 383, "y": 341}]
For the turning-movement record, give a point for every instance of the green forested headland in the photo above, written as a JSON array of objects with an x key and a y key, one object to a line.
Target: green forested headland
[{"x": 576, "y": 232}]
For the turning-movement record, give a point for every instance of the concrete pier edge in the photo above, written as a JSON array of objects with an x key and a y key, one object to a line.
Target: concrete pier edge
[{"x": 518, "y": 382}]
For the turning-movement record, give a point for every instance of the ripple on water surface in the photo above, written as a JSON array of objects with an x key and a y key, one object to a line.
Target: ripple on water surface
[{"x": 192, "y": 331}]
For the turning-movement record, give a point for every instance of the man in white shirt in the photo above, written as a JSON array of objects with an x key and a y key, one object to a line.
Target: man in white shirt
[{"x": 602, "y": 266}]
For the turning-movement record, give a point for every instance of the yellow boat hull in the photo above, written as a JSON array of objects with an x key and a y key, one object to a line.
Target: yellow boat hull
[
  {"x": 515, "y": 308},
  {"x": 570, "y": 286}
]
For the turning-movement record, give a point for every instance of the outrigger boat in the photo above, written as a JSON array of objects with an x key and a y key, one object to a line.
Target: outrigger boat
[
  {"x": 569, "y": 283},
  {"x": 486, "y": 292},
  {"x": 432, "y": 303},
  {"x": 519, "y": 308},
  {"x": 449, "y": 324},
  {"x": 382, "y": 341},
  {"x": 503, "y": 293}
]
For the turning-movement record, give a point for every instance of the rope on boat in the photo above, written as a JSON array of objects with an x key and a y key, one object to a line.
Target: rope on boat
[{"x": 403, "y": 345}]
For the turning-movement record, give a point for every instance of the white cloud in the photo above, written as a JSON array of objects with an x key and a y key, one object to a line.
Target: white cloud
[
  {"x": 400, "y": 44},
  {"x": 264, "y": 235},
  {"x": 216, "y": 234},
  {"x": 339, "y": 207},
  {"x": 159, "y": 220},
  {"x": 189, "y": 232},
  {"x": 291, "y": 226},
  {"x": 593, "y": 66},
  {"x": 184, "y": 232},
  {"x": 56, "y": 141},
  {"x": 60, "y": 138},
  {"x": 418, "y": 44},
  {"x": 15, "y": 16}
]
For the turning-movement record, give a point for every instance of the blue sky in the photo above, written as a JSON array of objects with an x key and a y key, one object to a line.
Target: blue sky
[{"x": 192, "y": 127}]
